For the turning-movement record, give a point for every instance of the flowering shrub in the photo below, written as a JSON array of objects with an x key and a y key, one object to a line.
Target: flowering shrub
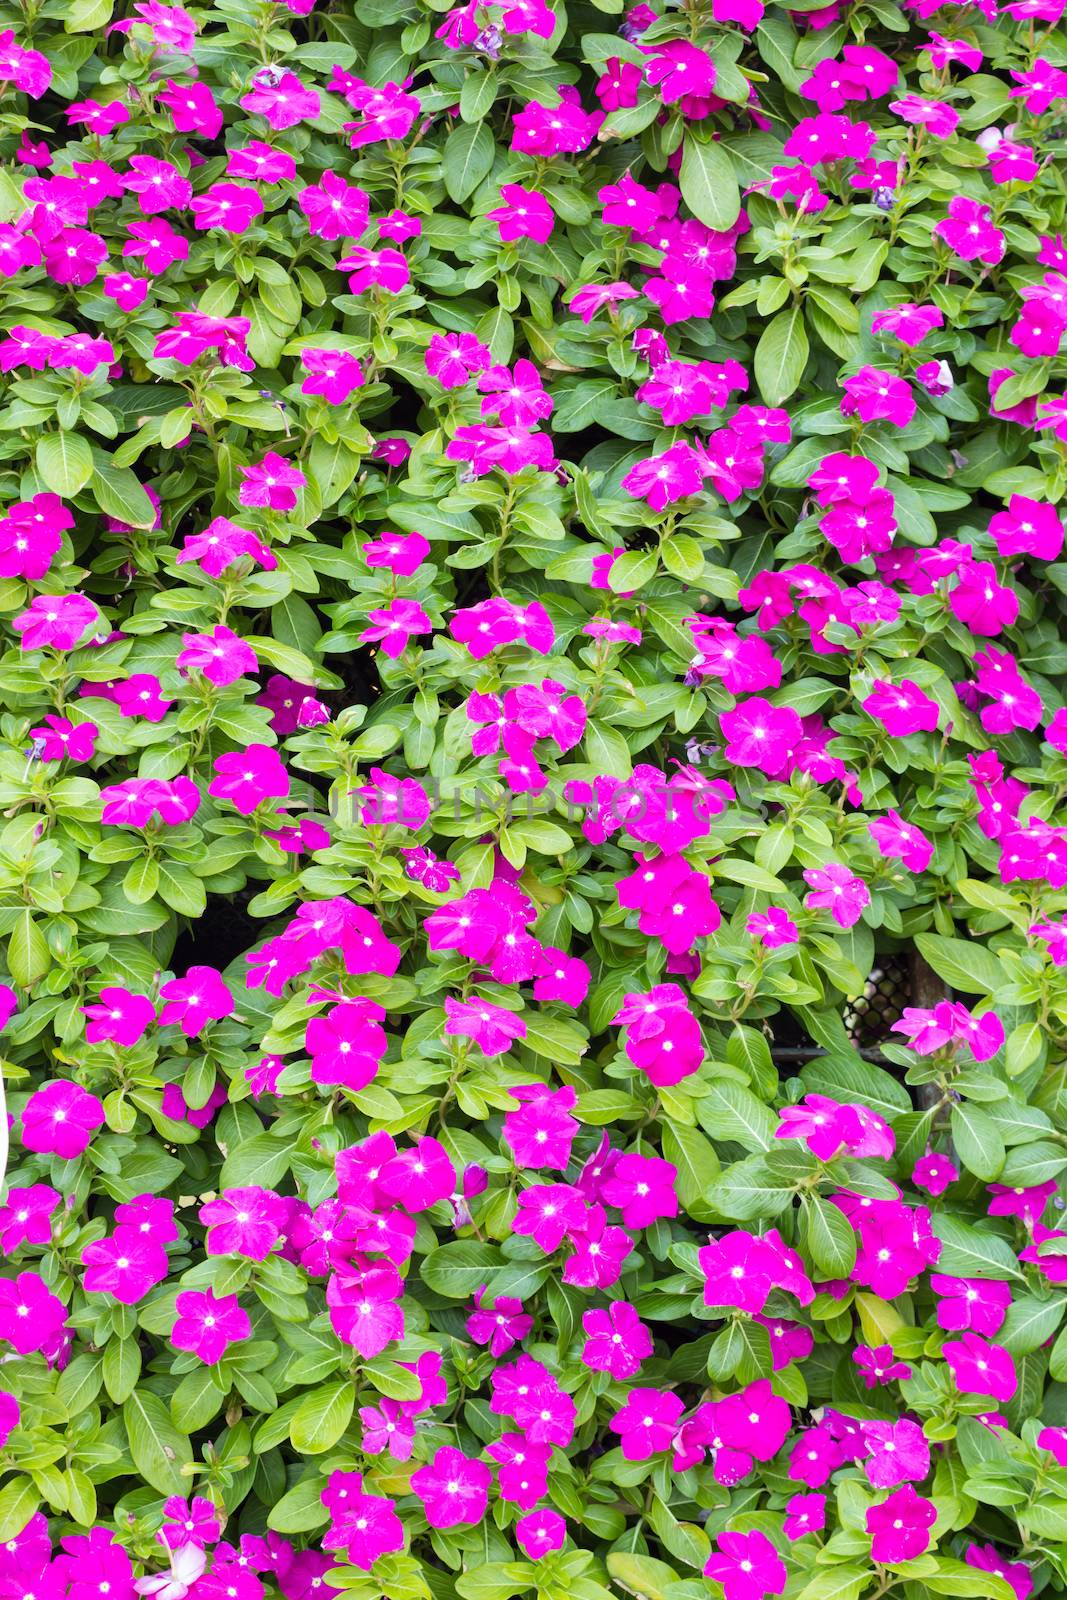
[{"x": 546, "y": 521}]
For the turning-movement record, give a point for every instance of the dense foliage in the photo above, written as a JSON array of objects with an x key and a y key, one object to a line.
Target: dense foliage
[{"x": 529, "y": 570}]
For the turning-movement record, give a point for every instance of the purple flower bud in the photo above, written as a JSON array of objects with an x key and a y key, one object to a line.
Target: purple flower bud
[{"x": 475, "y": 1181}]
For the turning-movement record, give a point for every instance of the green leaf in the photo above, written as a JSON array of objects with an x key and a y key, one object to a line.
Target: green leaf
[
  {"x": 729, "y": 1111},
  {"x": 157, "y": 1449},
  {"x": 977, "y": 1141},
  {"x": 301, "y": 1509},
  {"x": 781, "y": 356},
  {"x": 28, "y": 955},
  {"x": 19, "y": 1499},
  {"x": 322, "y": 1418},
  {"x": 554, "y": 1038},
  {"x": 86, "y": 16},
  {"x": 964, "y": 964},
  {"x": 698, "y": 1167},
  {"x": 122, "y": 1368},
  {"x": 969, "y": 1252},
  {"x": 838, "y": 1583},
  {"x": 708, "y": 182},
  {"x": 264, "y": 1160},
  {"x": 119, "y": 494},
  {"x": 456, "y": 1270},
  {"x": 468, "y": 158},
  {"x": 1029, "y": 1325},
  {"x": 333, "y": 467},
  {"x": 64, "y": 463},
  {"x": 640, "y": 1575},
  {"x": 633, "y": 570},
  {"x": 829, "y": 1237},
  {"x": 196, "y": 1400},
  {"x": 606, "y": 750}
]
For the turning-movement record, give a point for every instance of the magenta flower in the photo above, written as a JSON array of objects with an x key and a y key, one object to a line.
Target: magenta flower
[
  {"x": 126, "y": 1265},
  {"x": 523, "y": 214},
  {"x": 193, "y": 1522},
  {"x": 134, "y": 803},
  {"x": 243, "y": 1222},
  {"x": 222, "y": 544},
  {"x": 207, "y": 1326},
  {"x": 501, "y": 1325},
  {"x": 529, "y": 1393},
  {"x": 1028, "y": 527},
  {"x": 837, "y": 890},
  {"x": 394, "y": 626},
  {"x": 977, "y": 1304},
  {"x": 522, "y": 1475},
  {"x": 492, "y": 1028},
  {"x": 901, "y": 841},
  {"x": 950, "y": 1023},
  {"x": 417, "y": 1178},
  {"x": 382, "y": 113},
  {"x": 401, "y": 553},
  {"x": 454, "y": 358},
  {"x": 663, "y": 1037},
  {"x": 387, "y": 1429},
  {"x": 979, "y": 1367},
  {"x": 747, "y": 1565},
  {"x": 453, "y": 1488},
  {"x": 969, "y": 232},
  {"x": 334, "y": 209},
  {"x": 60, "y": 1119},
  {"x": 375, "y": 269},
  {"x": 365, "y": 1526},
  {"x": 899, "y": 1453},
  {"x": 333, "y": 374},
  {"x": 647, "y": 1423},
  {"x": 824, "y": 1125},
  {"x": 30, "y": 1314},
  {"x": 900, "y": 1527},
  {"x": 879, "y": 1365},
  {"x": 347, "y": 1044},
  {"x": 909, "y": 323},
  {"x": 541, "y": 1132},
  {"x": 674, "y": 474},
  {"x": 539, "y": 1533},
  {"x": 901, "y": 708},
  {"x": 232, "y": 207},
  {"x": 548, "y": 1213},
  {"x": 281, "y": 101},
  {"x": 389, "y": 801},
  {"x": 804, "y": 1513},
  {"x": 10, "y": 1414},
  {"x": 773, "y": 928},
  {"x": 1016, "y": 1574},
  {"x": 643, "y": 1188},
  {"x": 249, "y": 777},
  {"x": 120, "y": 1017},
  {"x": 876, "y": 396},
  {"x": 600, "y": 1249},
  {"x": 195, "y": 1000},
  {"x": 26, "y": 1216},
  {"x": 679, "y": 69},
  {"x": 271, "y": 483},
  {"x": 363, "y": 1309},
  {"x": 741, "y": 1270},
  {"x": 59, "y": 621},
  {"x": 760, "y": 735},
  {"x": 220, "y": 655},
  {"x": 934, "y": 1173},
  {"x": 617, "y": 1341}
]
